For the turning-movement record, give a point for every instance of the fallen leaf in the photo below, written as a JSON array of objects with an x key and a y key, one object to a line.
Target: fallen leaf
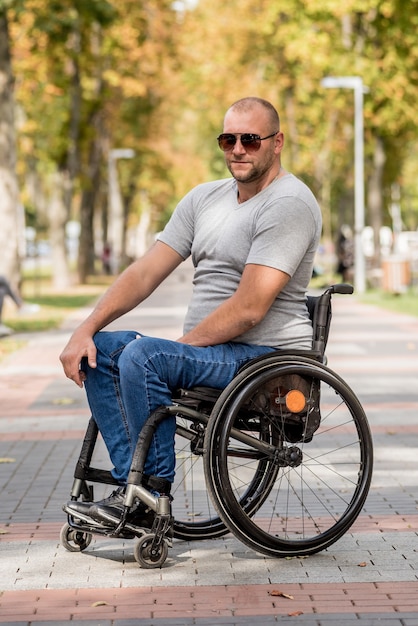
[
  {"x": 63, "y": 401},
  {"x": 100, "y": 603},
  {"x": 3, "y": 531},
  {"x": 6, "y": 459},
  {"x": 276, "y": 592},
  {"x": 295, "y": 613}
]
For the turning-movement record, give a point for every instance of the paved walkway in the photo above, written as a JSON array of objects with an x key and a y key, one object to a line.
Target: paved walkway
[{"x": 369, "y": 576}]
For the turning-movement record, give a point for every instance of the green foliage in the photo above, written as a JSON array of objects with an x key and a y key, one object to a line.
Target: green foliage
[{"x": 158, "y": 80}]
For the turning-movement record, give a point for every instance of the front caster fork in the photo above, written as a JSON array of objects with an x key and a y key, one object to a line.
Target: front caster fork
[{"x": 151, "y": 551}]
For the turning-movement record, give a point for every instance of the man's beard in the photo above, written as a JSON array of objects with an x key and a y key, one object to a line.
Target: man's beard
[{"x": 253, "y": 174}]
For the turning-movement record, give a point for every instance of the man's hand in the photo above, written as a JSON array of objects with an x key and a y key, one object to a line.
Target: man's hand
[{"x": 79, "y": 346}]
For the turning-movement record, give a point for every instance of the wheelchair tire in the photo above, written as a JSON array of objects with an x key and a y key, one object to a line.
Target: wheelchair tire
[
  {"x": 74, "y": 540},
  {"x": 315, "y": 483},
  {"x": 144, "y": 555}
]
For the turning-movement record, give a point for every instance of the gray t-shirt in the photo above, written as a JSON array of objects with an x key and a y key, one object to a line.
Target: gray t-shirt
[{"x": 280, "y": 227}]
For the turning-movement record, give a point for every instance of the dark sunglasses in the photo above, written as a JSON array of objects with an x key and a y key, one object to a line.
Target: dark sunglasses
[{"x": 249, "y": 141}]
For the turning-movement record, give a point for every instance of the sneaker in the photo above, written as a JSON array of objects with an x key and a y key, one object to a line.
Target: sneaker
[
  {"x": 110, "y": 511},
  {"x": 29, "y": 309},
  {"x": 77, "y": 509},
  {"x": 83, "y": 509}
]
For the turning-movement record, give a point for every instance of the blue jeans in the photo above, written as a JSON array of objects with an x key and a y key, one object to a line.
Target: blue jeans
[{"x": 137, "y": 374}]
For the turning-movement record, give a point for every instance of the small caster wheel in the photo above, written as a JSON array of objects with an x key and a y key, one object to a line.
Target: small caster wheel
[
  {"x": 148, "y": 558},
  {"x": 74, "y": 540}
]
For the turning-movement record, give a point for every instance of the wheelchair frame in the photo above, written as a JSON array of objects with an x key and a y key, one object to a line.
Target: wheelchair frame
[{"x": 284, "y": 456}]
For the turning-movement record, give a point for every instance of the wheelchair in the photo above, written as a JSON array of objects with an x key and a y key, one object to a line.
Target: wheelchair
[{"x": 282, "y": 458}]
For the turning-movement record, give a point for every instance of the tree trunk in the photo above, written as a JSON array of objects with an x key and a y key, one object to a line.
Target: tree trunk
[
  {"x": 58, "y": 218},
  {"x": 86, "y": 252},
  {"x": 323, "y": 175},
  {"x": 88, "y": 204},
  {"x": 375, "y": 199},
  {"x": 10, "y": 232},
  {"x": 291, "y": 127},
  {"x": 61, "y": 271}
]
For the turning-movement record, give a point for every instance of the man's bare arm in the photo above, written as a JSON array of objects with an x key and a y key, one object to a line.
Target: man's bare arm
[
  {"x": 258, "y": 288},
  {"x": 131, "y": 288}
]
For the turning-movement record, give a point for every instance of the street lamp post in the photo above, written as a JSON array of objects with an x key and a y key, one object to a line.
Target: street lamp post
[
  {"x": 116, "y": 216},
  {"x": 355, "y": 83}
]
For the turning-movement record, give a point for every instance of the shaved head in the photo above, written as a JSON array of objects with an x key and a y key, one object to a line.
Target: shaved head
[{"x": 250, "y": 103}]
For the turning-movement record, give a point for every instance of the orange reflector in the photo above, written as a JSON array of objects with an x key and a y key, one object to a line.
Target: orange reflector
[{"x": 295, "y": 401}]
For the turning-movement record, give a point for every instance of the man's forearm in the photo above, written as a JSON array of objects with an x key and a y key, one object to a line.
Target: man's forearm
[{"x": 222, "y": 325}]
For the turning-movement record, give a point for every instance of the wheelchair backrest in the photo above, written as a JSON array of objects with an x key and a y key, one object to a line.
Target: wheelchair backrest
[{"x": 320, "y": 312}]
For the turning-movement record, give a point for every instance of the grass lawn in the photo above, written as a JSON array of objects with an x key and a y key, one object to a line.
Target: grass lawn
[
  {"x": 402, "y": 303},
  {"x": 399, "y": 303},
  {"x": 47, "y": 308}
]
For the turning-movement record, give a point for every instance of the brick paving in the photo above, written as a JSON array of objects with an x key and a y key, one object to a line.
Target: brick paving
[{"x": 369, "y": 576}]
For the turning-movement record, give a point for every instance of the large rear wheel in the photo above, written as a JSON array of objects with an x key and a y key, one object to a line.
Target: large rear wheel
[
  {"x": 317, "y": 458},
  {"x": 195, "y": 516}
]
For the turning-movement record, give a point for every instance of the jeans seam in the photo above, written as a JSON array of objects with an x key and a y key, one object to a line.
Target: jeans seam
[{"x": 113, "y": 369}]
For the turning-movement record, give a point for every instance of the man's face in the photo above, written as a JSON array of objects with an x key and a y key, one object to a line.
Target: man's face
[{"x": 244, "y": 164}]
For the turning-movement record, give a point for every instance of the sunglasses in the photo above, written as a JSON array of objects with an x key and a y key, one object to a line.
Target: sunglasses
[{"x": 249, "y": 141}]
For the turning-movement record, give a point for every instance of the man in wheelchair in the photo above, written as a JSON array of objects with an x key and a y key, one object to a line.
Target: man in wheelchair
[{"x": 252, "y": 239}]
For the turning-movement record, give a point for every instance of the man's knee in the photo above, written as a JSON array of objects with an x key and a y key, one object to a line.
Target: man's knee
[
  {"x": 148, "y": 353},
  {"x": 110, "y": 342},
  {"x": 141, "y": 349}
]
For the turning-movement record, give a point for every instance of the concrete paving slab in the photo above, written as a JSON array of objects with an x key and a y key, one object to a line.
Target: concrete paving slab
[{"x": 370, "y": 576}]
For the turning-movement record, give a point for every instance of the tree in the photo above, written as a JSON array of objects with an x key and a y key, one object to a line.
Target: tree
[
  {"x": 98, "y": 66},
  {"x": 71, "y": 30},
  {"x": 10, "y": 231},
  {"x": 155, "y": 77}
]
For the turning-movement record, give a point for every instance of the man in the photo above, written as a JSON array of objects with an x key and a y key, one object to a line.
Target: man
[{"x": 252, "y": 239}]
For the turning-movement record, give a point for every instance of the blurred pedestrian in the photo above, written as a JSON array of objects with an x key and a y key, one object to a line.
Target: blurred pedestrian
[
  {"x": 6, "y": 290},
  {"x": 345, "y": 253},
  {"x": 107, "y": 259}
]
